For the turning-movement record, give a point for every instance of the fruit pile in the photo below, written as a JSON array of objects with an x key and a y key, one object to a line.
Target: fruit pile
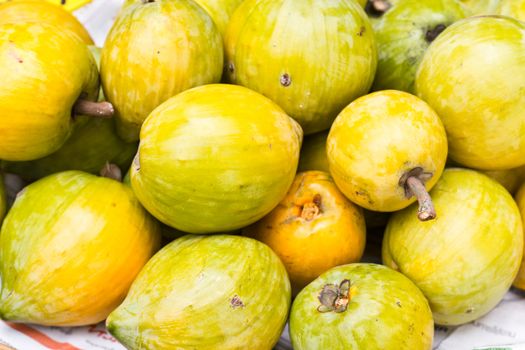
[{"x": 214, "y": 170}]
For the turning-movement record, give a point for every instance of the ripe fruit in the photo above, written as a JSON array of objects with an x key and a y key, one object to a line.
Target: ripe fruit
[
  {"x": 313, "y": 153},
  {"x": 220, "y": 11},
  {"x": 466, "y": 259},
  {"x": 361, "y": 306},
  {"x": 310, "y": 57},
  {"x": 519, "y": 282},
  {"x": 313, "y": 229},
  {"x": 512, "y": 8},
  {"x": 403, "y": 33},
  {"x": 215, "y": 158},
  {"x": 473, "y": 75},
  {"x": 480, "y": 7},
  {"x": 21, "y": 11},
  {"x": 386, "y": 147},
  {"x": 205, "y": 292},
  {"x": 69, "y": 260},
  {"x": 155, "y": 50}
]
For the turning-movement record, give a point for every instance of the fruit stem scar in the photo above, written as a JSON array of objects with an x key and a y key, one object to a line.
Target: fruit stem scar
[
  {"x": 93, "y": 109},
  {"x": 311, "y": 209},
  {"x": 377, "y": 8},
  {"x": 111, "y": 171},
  {"x": 334, "y": 298},
  {"x": 416, "y": 188},
  {"x": 433, "y": 33}
]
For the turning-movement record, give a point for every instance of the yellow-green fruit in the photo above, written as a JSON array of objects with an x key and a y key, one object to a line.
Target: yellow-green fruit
[
  {"x": 155, "y": 50},
  {"x": 39, "y": 11},
  {"x": 480, "y": 7},
  {"x": 215, "y": 158},
  {"x": 44, "y": 71},
  {"x": 220, "y": 11},
  {"x": 519, "y": 282},
  {"x": 512, "y": 8},
  {"x": 465, "y": 260},
  {"x": 381, "y": 139},
  {"x": 473, "y": 75},
  {"x": 313, "y": 153},
  {"x": 71, "y": 246},
  {"x": 312, "y": 57},
  {"x": 3, "y": 199},
  {"x": 208, "y": 293}
]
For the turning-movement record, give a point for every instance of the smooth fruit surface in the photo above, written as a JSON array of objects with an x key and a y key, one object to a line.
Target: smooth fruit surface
[
  {"x": 206, "y": 292},
  {"x": 313, "y": 153},
  {"x": 69, "y": 260},
  {"x": 154, "y": 51},
  {"x": 473, "y": 75},
  {"x": 465, "y": 260},
  {"x": 378, "y": 139},
  {"x": 385, "y": 311},
  {"x": 311, "y": 57},
  {"x": 313, "y": 229},
  {"x": 215, "y": 158},
  {"x": 519, "y": 282}
]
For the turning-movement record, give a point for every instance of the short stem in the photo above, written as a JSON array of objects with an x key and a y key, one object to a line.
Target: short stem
[
  {"x": 111, "y": 171},
  {"x": 377, "y": 8},
  {"x": 93, "y": 109},
  {"x": 433, "y": 33},
  {"x": 426, "y": 207}
]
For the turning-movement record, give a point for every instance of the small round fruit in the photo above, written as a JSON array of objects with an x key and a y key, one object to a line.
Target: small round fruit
[
  {"x": 473, "y": 75},
  {"x": 361, "y": 306},
  {"x": 519, "y": 282},
  {"x": 215, "y": 158},
  {"x": 71, "y": 246},
  {"x": 155, "y": 50},
  {"x": 312, "y": 57},
  {"x": 313, "y": 153},
  {"x": 465, "y": 260},
  {"x": 313, "y": 229},
  {"x": 205, "y": 292},
  {"x": 381, "y": 145}
]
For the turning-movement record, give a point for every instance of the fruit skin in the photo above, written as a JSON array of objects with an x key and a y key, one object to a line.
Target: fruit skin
[
  {"x": 511, "y": 179},
  {"x": 304, "y": 50},
  {"x": 519, "y": 282},
  {"x": 480, "y": 7},
  {"x": 215, "y": 158},
  {"x": 69, "y": 260},
  {"x": 3, "y": 199},
  {"x": 310, "y": 245},
  {"x": 313, "y": 153},
  {"x": 386, "y": 311},
  {"x": 154, "y": 51},
  {"x": 44, "y": 71},
  {"x": 220, "y": 11},
  {"x": 466, "y": 259},
  {"x": 378, "y": 138},
  {"x": 401, "y": 36},
  {"x": 210, "y": 292},
  {"x": 512, "y": 8},
  {"x": 42, "y": 12},
  {"x": 479, "y": 95}
]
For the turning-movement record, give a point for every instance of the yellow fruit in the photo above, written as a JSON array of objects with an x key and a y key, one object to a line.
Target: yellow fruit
[
  {"x": 220, "y": 11},
  {"x": 512, "y": 8}
]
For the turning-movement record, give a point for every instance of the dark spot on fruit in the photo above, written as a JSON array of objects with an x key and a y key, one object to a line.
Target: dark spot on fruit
[
  {"x": 236, "y": 302},
  {"x": 361, "y": 31},
  {"x": 433, "y": 33},
  {"x": 285, "y": 80},
  {"x": 158, "y": 52},
  {"x": 63, "y": 2},
  {"x": 398, "y": 303},
  {"x": 113, "y": 204},
  {"x": 469, "y": 311},
  {"x": 231, "y": 67}
]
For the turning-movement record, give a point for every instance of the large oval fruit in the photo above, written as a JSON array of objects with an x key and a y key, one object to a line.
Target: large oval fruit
[
  {"x": 3, "y": 199},
  {"x": 38, "y": 11},
  {"x": 312, "y": 57},
  {"x": 519, "y": 282},
  {"x": 313, "y": 229},
  {"x": 403, "y": 34},
  {"x": 473, "y": 75},
  {"x": 379, "y": 142},
  {"x": 466, "y": 259},
  {"x": 44, "y": 71},
  {"x": 361, "y": 306},
  {"x": 71, "y": 245},
  {"x": 207, "y": 293},
  {"x": 215, "y": 158},
  {"x": 155, "y": 50}
]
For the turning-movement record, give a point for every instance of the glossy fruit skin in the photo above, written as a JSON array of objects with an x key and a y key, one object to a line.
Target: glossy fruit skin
[
  {"x": 477, "y": 95},
  {"x": 38, "y": 11},
  {"x": 3, "y": 199},
  {"x": 44, "y": 71},
  {"x": 309, "y": 246},
  {"x": 154, "y": 51},
  {"x": 512, "y": 8},
  {"x": 465, "y": 260},
  {"x": 215, "y": 158},
  {"x": 69, "y": 260},
  {"x": 378, "y": 138},
  {"x": 299, "y": 59},
  {"x": 401, "y": 39},
  {"x": 206, "y": 292},
  {"x": 313, "y": 153},
  {"x": 519, "y": 282},
  {"x": 386, "y": 311}
]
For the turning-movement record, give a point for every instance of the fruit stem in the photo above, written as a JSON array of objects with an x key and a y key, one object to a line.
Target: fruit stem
[
  {"x": 93, "y": 109},
  {"x": 433, "y": 33},
  {"x": 426, "y": 209},
  {"x": 377, "y": 8},
  {"x": 111, "y": 171},
  {"x": 311, "y": 209}
]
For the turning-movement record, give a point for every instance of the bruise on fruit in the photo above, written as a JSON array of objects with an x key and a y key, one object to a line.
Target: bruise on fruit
[
  {"x": 236, "y": 302},
  {"x": 285, "y": 80},
  {"x": 63, "y": 2},
  {"x": 334, "y": 298},
  {"x": 365, "y": 194}
]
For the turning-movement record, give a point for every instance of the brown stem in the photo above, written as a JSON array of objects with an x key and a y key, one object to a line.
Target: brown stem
[
  {"x": 93, "y": 109},
  {"x": 311, "y": 209},
  {"x": 377, "y": 8},
  {"x": 433, "y": 33},
  {"x": 426, "y": 209},
  {"x": 111, "y": 171}
]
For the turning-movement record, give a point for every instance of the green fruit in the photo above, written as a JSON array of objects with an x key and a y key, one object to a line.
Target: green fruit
[
  {"x": 215, "y": 158},
  {"x": 3, "y": 199},
  {"x": 473, "y": 75},
  {"x": 312, "y": 57},
  {"x": 466, "y": 259},
  {"x": 71, "y": 246},
  {"x": 313, "y": 153},
  {"x": 155, "y": 50},
  {"x": 403, "y": 34},
  {"x": 382, "y": 310},
  {"x": 205, "y": 292}
]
